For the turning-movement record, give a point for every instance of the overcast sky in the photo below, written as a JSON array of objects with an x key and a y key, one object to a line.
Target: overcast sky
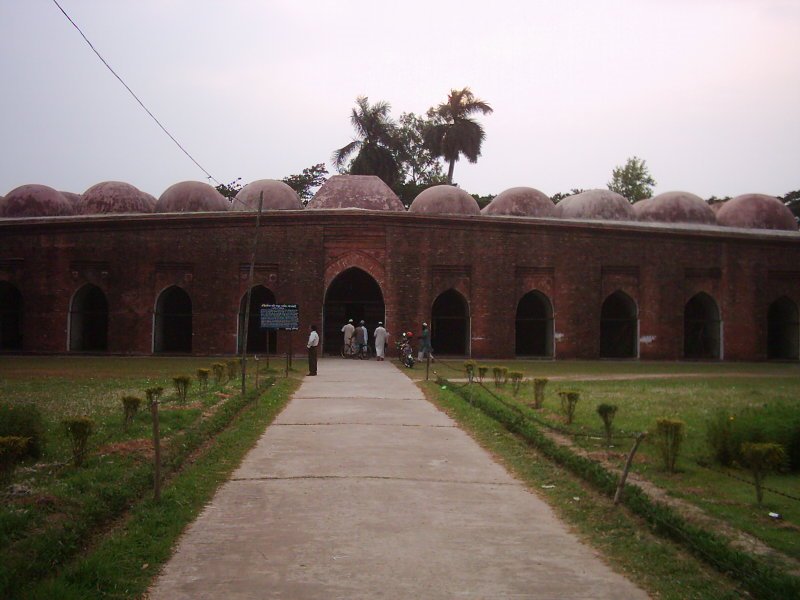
[{"x": 706, "y": 91}]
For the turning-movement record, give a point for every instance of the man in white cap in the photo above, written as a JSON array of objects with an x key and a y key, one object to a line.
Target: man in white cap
[
  {"x": 425, "y": 349},
  {"x": 380, "y": 335},
  {"x": 348, "y": 330}
]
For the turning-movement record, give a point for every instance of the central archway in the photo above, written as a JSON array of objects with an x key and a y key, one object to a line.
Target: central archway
[{"x": 353, "y": 294}]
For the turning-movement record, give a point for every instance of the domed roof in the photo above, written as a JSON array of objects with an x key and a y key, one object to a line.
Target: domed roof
[
  {"x": 756, "y": 211},
  {"x": 521, "y": 202},
  {"x": 2, "y": 205},
  {"x": 675, "y": 207},
  {"x": 34, "y": 200},
  {"x": 596, "y": 204},
  {"x": 444, "y": 200},
  {"x": 639, "y": 206},
  {"x": 191, "y": 196},
  {"x": 277, "y": 196},
  {"x": 715, "y": 206},
  {"x": 356, "y": 191},
  {"x": 115, "y": 197},
  {"x": 150, "y": 200}
]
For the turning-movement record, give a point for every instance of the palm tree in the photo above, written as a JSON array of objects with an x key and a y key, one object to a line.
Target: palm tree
[
  {"x": 376, "y": 143},
  {"x": 454, "y": 132}
]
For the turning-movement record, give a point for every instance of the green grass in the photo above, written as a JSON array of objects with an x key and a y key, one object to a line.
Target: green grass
[
  {"x": 659, "y": 566},
  {"x": 64, "y": 506}
]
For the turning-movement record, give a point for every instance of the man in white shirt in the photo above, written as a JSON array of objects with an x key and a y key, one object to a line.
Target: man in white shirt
[
  {"x": 380, "y": 340},
  {"x": 348, "y": 330},
  {"x": 313, "y": 342}
]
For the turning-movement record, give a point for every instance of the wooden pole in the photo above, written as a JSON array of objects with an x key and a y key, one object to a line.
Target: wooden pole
[
  {"x": 156, "y": 451},
  {"x": 249, "y": 294},
  {"x": 618, "y": 494},
  {"x": 256, "y": 359}
]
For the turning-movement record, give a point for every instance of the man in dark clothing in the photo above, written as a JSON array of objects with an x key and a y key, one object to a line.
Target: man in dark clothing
[{"x": 313, "y": 342}]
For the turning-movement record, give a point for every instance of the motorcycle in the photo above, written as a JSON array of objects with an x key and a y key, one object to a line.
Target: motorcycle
[{"x": 405, "y": 351}]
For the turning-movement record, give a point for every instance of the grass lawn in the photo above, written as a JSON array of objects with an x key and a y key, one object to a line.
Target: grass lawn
[{"x": 54, "y": 511}]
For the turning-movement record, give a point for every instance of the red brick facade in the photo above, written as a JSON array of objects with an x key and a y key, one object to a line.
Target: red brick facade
[{"x": 492, "y": 262}]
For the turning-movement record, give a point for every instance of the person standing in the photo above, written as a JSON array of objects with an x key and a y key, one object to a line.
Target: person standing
[
  {"x": 425, "y": 349},
  {"x": 348, "y": 330},
  {"x": 313, "y": 342},
  {"x": 361, "y": 338},
  {"x": 380, "y": 334}
]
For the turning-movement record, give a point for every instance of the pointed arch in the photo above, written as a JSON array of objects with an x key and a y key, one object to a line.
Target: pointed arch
[
  {"x": 619, "y": 327},
  {"x": 258, "y": 340},
  {"x": 450, "y": 324},
  {"x": 172, "y": 321},
  {"x": 11, "y": 312},
  {"x": 783, "y": 330},
  {"x": 88, "y": 320},
  {"x": 701, "y": 328},
  {"x": 534, "y": 325},
  {"x": 352, "y": 294}
]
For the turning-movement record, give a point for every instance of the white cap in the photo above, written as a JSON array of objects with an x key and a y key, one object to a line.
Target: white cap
[
  {"x": 424, "y": 324},
  {"x": 350, "y": 321}
]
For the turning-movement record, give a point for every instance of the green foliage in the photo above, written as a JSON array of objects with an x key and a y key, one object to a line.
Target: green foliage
[
  {"x": 482, "y": 373},
  {"x": 202, "y": 378},
  {"x": 500, "y": 376},
  {"x": 130, "y": 406},
  {"x": 633, "y": 180},
  {"x": 469, "y": 368},
  {"x": 153, "y": 394},
  {"x": 233, "y": 369},
  {"x": 607, "y": 413},
  {"x": 483, "y": 201},
  {"x": 569, "y": 401},
  {"x": 78, "y": 430},
  {"x": 775, "y": 422},
  {"x": 306, "y": 182},
  {"x": 539, "y": 383},
  {"x": 182, "y": 384},
  {"x": 559, "y": 196},
  {"x": 420, "y": 168},
  {"x": 762, "y": 459},
  {"x": 229, "y": 190},
  {"x": 24, "y": 420},
  {"x": 668, "y": 437},
  {"x": 516, "y": 380},
  {"x": 12, "y": 450},
  {"x": 219, "y": 372}
]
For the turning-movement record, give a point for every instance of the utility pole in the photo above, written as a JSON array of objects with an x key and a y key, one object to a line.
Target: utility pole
[{"x": 249, "y": 295}]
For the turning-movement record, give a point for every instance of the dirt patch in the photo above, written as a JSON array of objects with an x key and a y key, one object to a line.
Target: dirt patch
[{"x": 140, "y": 447}]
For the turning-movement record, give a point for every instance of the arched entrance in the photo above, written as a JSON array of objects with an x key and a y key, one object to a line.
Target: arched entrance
[
  {"x": 619, "y": 327},
  {"x": 258, "y": 340},
  {"x": 534, "y": 325},
  {"x": 88, "y": 320},
  {"x": 172, "y": 325},
  {"x": 701, "y": 330},
  {"x": 353, "y": 294},
  {"x": 10, "y": 317},
  {"x": 450, "y": 324},
  {"x": 783, "y": 330}
]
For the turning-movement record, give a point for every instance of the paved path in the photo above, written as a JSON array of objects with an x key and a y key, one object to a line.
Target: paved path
[{"x": 362, "y": 489}]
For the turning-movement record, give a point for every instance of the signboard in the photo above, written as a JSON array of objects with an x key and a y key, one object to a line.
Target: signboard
[{"x": 280, "y": 316}]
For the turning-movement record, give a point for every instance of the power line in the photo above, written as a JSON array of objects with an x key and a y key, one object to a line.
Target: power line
[{"x": 147, "y": 110}]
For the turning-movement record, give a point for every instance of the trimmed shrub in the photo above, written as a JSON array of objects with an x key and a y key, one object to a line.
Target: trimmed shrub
[
  {"x": 153, "y": 394},
  {"x": 569, "y": 400},
  {"x": 12, "y": 450},
  {"x": 23, "y": 420},
  {"x": 719, "y": 435},
  {"x": 607, "y": 413},
  {"x": 219, "y": 372},
  {"x": 469, "y": 368},
  {"x": 516, "y": 380},
  {"x": 500, "y": 376},
  {"x": 182, "y": 384},
  {"x": 233, "y": 369},
  {"x": 130, "y": 406},
  {"x": 668, "y": 437},
  {"x": 482, "y": 373},
  {"x": 761, "y": 459},
  {"x": 202, "y": 378},
  {"x": 78, "y": 430},
  {"x": 538, "y": 391}
]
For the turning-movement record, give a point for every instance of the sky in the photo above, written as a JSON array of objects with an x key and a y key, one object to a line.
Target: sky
[{"x": 706, "y": 91}]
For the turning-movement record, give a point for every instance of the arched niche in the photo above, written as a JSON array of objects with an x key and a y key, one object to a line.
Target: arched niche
[
  {"x": 534, "y": 326},
  {"x": 258, "y": 340},
  {"x": 783, "y": 330},
  {"x": 701, "y": 328},
  {"x": 619, "y": 327},
  {"x": 172, "y": 322},
  {"x": 10, "y": 317},
  {"x": 450, "y": 324},
  {"x": 88, "y": 320}
]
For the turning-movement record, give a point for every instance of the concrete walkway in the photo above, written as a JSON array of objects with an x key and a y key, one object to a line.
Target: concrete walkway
[{"x": 362, "y": 489}]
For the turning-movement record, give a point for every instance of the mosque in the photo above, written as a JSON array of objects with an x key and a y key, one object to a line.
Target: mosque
[{"x": 117, "y": 271}]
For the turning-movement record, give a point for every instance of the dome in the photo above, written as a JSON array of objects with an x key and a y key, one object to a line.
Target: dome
[
  {"x": 356, "y": 191},
  {"x": 444, "y": 200},
  {"x": 277, "y": 196},
  {"x": 149, "y": 200},
  {"x": 715, "y": 206},
  {"x": 675, "y": 207},
  {"x": 115, "y": 197},
  {"x": 639, "y": 206},
  {"x": 35, "y": 200},
  {"x": 191, "y": 196},
  {"x": 74, "y": 200},
  {"x": 521, "y": 202},
  {"x": 756, "y": 211},
  {"x": 596, "y": 204}
]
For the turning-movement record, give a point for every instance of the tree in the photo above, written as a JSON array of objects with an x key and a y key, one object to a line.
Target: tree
[
  {"x": 559, "y": 196},
  {"x": 453, "y": 132},
  {"x": 483, "y": 201},
  {"x": 792, "y": 202},
  {"x": 305, "y": 183},
  {"x": 376, "y": 145},
  {"x": 229, "y": 190},
  {"x": 633, "y": 180},
  {"x": 419, "y": 167}
]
